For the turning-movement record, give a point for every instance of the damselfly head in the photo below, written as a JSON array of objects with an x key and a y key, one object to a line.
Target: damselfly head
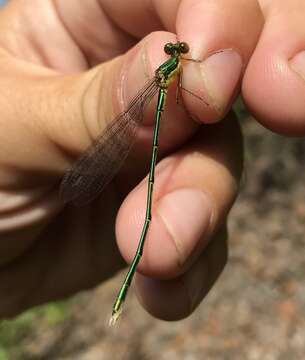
[
  {"x": 169, "y": 48},
  {"x": 184, "y": 48},
  {"x": 176, "y": 49}
]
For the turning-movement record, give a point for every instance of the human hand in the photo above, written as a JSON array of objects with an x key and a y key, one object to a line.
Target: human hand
[{"x": 53, "y": 106}]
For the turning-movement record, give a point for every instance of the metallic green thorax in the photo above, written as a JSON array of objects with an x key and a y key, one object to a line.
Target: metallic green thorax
[
  {"x": 168, "y": 71},
  {"x": 164, "y": 75}
]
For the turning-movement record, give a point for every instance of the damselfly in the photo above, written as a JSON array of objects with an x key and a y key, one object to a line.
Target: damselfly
[{"x": 99, "y": 164}]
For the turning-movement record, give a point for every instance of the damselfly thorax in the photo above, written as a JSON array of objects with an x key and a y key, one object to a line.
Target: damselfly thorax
[{"x": 169, "y": 70}]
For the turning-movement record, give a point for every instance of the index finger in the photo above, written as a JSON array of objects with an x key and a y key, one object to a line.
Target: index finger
[{"x": 215, "y": 31}]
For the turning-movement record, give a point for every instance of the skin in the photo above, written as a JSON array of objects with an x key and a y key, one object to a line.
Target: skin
[{"x": 55, "y": 59}]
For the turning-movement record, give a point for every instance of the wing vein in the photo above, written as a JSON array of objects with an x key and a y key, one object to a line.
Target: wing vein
[{"x": 94, "y": 170}]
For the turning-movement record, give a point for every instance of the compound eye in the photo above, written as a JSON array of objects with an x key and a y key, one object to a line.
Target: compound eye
[
  {"x": 184, "y": 48},
  {"x": 168, "y": 48}
]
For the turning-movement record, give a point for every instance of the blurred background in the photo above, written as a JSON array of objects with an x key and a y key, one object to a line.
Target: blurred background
[{"x": 256, "y": 311}]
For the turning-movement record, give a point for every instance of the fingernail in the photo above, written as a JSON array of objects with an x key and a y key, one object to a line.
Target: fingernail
[
  {"x": 298, "y": 64},
  {"x": 186, "y": 214},
  {"x": 221, "y": 73}
]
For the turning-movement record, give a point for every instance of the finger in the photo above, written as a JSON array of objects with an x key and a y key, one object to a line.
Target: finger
[
  {"x": 274, "y": 83},
  {"x": 194, "y": 190},
  {"x": 61, "y": 115},
  {"x": 213, "y": 30},
  {"x": 177, "y": 298}
]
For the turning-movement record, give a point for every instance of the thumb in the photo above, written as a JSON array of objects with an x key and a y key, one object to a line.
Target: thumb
[{"x": 48, "y": 118}]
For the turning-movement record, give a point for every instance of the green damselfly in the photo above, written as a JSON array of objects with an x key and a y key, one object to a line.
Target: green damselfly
[{"x": 102, "y": 160}]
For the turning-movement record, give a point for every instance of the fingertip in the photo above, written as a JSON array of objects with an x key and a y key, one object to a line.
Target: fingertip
[
  {"x": 187, "y": 202},
  {"x": 212, "y": 30},
  {"x": 160, "y": 258},
  {"x": 178, "y": 231},
  {"x": 212, "y": 84},
  {"x": 274, "y": 83},
  {"x": 275, "y": 93}
]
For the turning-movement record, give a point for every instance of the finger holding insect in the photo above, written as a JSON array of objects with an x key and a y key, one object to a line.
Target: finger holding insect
[{"x": 219, "y": 51}]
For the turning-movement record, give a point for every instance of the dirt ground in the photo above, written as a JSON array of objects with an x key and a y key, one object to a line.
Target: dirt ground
[{"x": 257, "y": 309}]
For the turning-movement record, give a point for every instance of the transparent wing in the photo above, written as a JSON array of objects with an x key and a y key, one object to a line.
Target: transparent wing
[{"x": 103, "y": 159}]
